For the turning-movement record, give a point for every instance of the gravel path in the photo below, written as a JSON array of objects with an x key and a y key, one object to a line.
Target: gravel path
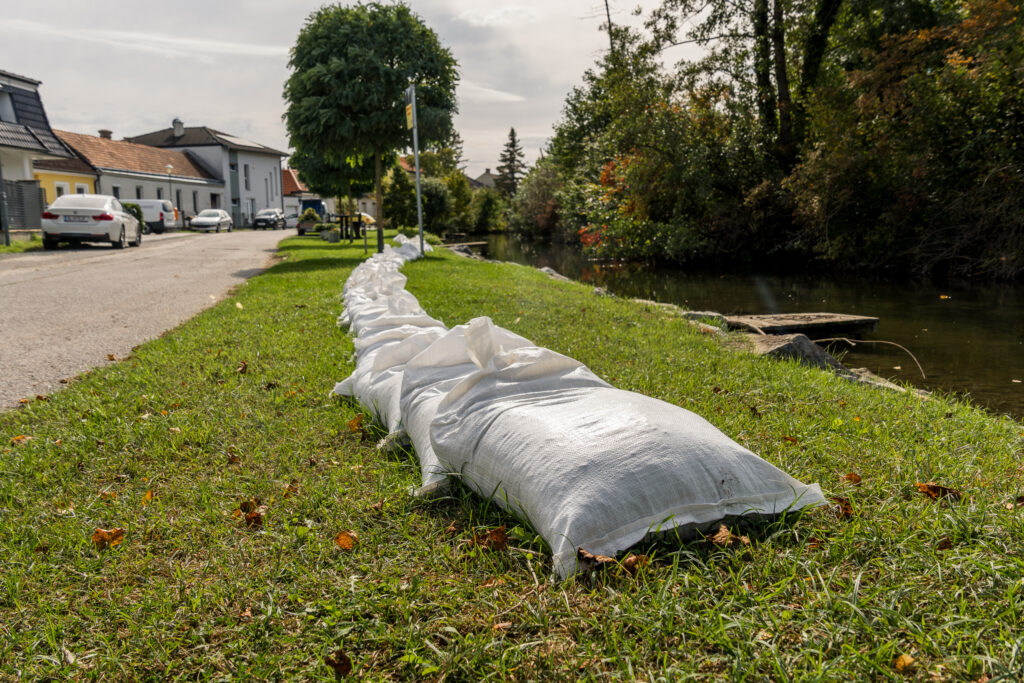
[{"x": 63, "y": 312}]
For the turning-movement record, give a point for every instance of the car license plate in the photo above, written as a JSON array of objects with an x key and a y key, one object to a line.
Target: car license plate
[{"x": 76, "y": 219}]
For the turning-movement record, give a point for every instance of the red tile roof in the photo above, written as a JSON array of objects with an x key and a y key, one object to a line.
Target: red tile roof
[
  {"x": 290, "y": 183},
  {"x": 119, "y": 155}
]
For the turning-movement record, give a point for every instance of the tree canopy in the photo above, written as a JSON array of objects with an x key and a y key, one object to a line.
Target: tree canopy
[{"x": 350, "y": 68}]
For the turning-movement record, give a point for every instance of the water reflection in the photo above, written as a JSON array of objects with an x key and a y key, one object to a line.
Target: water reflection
[{"x": 969, "y": 338}]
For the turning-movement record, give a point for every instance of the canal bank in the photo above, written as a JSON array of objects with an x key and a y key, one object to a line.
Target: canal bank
[{"x": 968, "y": 337}]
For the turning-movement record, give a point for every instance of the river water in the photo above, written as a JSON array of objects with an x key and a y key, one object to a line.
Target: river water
[{"x": 968, "y": 338}]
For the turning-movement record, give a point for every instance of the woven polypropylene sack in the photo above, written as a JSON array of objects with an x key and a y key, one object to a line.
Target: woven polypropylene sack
[
  {"x": 376, "y": 382},
  {"x": 427, "y": 378},
  {"x": 596, "y": 467}
]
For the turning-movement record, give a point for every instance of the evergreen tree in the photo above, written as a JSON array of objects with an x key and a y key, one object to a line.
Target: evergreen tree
[{"x": 512, "y": 168}]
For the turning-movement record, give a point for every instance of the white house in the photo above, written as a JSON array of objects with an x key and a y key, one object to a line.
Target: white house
[
  {"x": 251, "y": 171},
  {"x": 25, "y": 136},
  {"x": 132, "y": 171}
]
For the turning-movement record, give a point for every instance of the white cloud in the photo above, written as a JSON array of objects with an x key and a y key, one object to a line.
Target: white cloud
[
  {"x": 471, "y": 92},
  {"x": 503, "y": 17},
  {"x": 162, "y": 44}
]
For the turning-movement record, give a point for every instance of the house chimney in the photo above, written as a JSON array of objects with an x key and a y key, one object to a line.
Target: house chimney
[
  {"x": 179, "y": 127},
  {"x": 106, "y": 134}
]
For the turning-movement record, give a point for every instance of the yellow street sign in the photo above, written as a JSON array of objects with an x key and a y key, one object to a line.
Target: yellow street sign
[{"x": 408, "y": 116}]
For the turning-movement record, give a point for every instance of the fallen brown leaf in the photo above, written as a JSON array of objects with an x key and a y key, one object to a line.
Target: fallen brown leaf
[
  {"x": 726, "y": 538},
  {"x": 20, "y": 440},
  {"x": 495, "y": 539},
  {"x": 937, "y": 492},
  {"x": 111, "y": 356},
  {"x": 246, "y": 613},
  {"x": 451, "y": 529},
  {"x": 147, "y": 497},
  {"x": 292, "y": 488},
  {"x": 791, "y": 440},
  {"x": 1018, "y": 502},
  {"x": 904, "y": 663},
  {"x": 254, "y": 519},
  {"x": 376, "y": 507},
  {"x": 587, "y": 562},
  {"x": 356, "y": 423},
  {"x": 242, "y": 368},
  {"x": 492, "y": 582},
  {"x": 346, "y": 540},
  {"x": 174, "y": 430},
  {"x": 234, "y": 459},
  {"x": 107, "y": 495},
  {"x": 634, "y": 563},
  {"x": 107, "y": 538},
  {"x": 853, "y": 478},
  {"x": 40, "y": 397},
  {"x": 502, "y": 626},
  {"x": 340, "y": 663},
  {"x": 945, "y": 544},
  {"x": 843, "y": 508}
]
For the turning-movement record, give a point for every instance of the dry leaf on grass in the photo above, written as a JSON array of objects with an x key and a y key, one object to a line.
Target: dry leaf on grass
[
  {"x": 107, "y": 538},
  {"x": 502, "y": 626},
  {"x": 843, "y": 508},
  {"x": 376, "y": 507},
  {"x": 724, "y": 537},
  {"x": 356, "y": 423},
  {"x": 20, "y": 440},
  {"x": 791, "y": 440},
  {"x": 945, "y": 544},
  {"x": 451, "y": 529},
  {"x": 495, "y": 539},
  {"x": 107, "y": 495},
  {"x": 1018, "y": 502},
  {"x": 634, "y": 563},
  {"x": 346, "y": 540},
  {"x": 853, "y": 478},
  {"x": 254, "y": 519},
  {"x": 292, "y": 488},
  {"x": 242, "y": 368},
  {"x": 587, "y": 562},
  {"x": 340, "y": 663},
  {"x": 40, "y": 397},
  {"x": 147, "y": 497},
  {"x": 937, "y": 492},
  {"x": 904, "y": 663},
  {"x": 493, "y": 582},
  {"x": 246, "y": 614},
  {"x": 234, "y": 459},
  {"x": 111, "y": 357}
]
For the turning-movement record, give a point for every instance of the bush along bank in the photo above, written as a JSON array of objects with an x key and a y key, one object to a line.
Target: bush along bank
[{"x": 265, "y": 535}]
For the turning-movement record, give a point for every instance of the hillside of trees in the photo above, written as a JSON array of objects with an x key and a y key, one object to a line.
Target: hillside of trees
[{"x": 851, "y": 134}]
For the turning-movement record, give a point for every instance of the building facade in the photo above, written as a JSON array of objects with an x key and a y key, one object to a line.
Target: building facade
[{"x": 251, "y": 172}]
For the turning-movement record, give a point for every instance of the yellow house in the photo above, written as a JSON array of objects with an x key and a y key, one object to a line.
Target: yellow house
[{"x": 64, "y": 176}]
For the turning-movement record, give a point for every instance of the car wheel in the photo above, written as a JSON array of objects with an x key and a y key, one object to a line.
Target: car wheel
[
  {"x": 49, "y": 243},
  {"x": 121, "y": 242},
  {"x": 138, "y": 238}
]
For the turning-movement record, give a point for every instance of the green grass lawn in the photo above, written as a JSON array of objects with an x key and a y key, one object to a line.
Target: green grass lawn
[
  {"x": 34, "y": 243},
  {"x": 228, "y": 414}
]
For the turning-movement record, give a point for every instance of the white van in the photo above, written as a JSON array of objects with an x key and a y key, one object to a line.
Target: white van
[{"x": 160, "y": 214}]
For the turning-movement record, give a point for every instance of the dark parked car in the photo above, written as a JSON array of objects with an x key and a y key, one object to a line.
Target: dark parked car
[{"x": 272, "y": 219}]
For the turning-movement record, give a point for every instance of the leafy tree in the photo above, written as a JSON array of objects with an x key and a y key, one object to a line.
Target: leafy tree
[
  {"x": 461, "y": 196},
  {"x": 443, "y": 157},
  {"x": 535, "y": 206},
  {"x": 350, "y": 68},
  {"x": 333, "y": 179},
  {"x": 400, "y": 199},
  {"x": 436, "y": 205},
  {"x": 512, "y": 168},
  {"x": 487, "y": 211}
]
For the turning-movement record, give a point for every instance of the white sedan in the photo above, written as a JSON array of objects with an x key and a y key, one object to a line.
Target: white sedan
[
  {"x": 212, "y": 219},
  {"x": 80, "y": 218}
]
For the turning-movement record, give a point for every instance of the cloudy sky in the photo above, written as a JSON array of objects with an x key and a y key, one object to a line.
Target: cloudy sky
[{"x": 133, "y": 65}]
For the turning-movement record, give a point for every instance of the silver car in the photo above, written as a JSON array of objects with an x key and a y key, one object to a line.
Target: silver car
[
  {"x": 78, "y": 218},
  {"x": 212, "y": 219}
]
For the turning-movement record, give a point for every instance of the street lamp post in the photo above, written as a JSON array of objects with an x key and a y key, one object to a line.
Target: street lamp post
[{"x": 170, "y": 168}]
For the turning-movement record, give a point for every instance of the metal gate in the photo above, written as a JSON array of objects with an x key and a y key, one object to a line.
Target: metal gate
[{"x": 24, "y": 203}]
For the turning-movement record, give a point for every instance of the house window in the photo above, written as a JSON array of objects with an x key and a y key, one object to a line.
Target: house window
[
  {"x": 159, "y": 193},
  {"x": 195, "y": 202},
  {"x": 61, "y": 189},
  {"x": 138, "y": 191},
  {"x": 116, "y": 189},
  {"x": 81, "y": 188},
  {"x": 7, "y": 108},
  {"x": 266, "y": 189},
  {"x": 214, "y": 200},
  {"x": 233, "y": 167},
  {"x": 177, "y": 198},
  {"x": 245, "y": 171}
]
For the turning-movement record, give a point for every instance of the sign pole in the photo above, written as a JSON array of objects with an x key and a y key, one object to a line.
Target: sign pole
[{"x": 410, "y": 114}]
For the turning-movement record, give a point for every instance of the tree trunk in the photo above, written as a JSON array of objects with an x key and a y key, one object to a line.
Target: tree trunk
[
  {"x": 785, "y": 139},
  {"x": 814, "y": 52},
  {"x": 378, "y": 195},
  {"x": 762, "y": 72}
]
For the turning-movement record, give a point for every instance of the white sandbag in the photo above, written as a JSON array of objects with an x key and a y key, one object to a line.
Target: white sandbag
[
  {"x": 365, "y": 312},
  {"x": 376, "y": 383},
  {"x": 427, "y": 378},
  {"x": 596, "y": 467}
]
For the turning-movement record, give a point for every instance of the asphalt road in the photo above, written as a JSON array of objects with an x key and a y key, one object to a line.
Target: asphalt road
[{"x": 63, "y": 312}]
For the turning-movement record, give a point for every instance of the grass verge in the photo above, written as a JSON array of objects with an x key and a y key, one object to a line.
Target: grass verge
[
  {"x": 34, "y": 243},
  {"x": 218, "y": 452}
]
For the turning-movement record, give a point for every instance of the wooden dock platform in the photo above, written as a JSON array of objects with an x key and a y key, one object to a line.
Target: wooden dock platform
[{"x": 814, "y": 325}]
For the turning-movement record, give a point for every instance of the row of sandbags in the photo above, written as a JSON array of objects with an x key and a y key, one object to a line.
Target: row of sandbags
[{"x": 586, "y": 464}]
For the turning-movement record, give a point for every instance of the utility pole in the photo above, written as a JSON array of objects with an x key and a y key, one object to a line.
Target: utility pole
[{"x": 608, "y": 13}]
